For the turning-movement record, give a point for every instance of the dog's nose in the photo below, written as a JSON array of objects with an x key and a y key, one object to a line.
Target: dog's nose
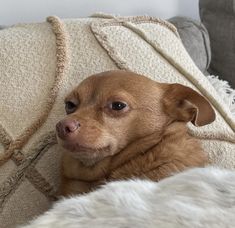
[{"x": 66, "y": 128}]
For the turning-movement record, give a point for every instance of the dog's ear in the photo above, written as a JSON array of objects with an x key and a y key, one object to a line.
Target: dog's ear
[{"x": 184, "y": 104}]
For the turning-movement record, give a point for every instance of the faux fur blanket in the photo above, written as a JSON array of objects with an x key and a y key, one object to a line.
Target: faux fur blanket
[{"x": 196, "y": 198}]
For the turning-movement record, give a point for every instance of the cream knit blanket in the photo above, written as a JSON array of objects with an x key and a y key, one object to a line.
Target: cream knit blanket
[{"x": 40, "y": 63}]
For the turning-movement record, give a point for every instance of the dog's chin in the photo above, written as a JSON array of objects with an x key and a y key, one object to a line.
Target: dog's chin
[{"x": 87, "y": 155}]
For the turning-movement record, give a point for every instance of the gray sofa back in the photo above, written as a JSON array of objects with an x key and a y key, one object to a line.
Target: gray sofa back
[
  {"x": 196, "y": 40},
  {"x": 218, "y": 16}
]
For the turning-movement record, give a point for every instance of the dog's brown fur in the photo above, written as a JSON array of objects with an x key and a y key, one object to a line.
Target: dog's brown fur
[{"x": 147, "y": 139}]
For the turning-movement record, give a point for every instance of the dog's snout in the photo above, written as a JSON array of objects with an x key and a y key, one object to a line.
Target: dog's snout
[{"x": 66, "y": 128}]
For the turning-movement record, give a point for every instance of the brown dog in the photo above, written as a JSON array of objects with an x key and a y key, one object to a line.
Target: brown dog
[{"x": 122, "y": 125}]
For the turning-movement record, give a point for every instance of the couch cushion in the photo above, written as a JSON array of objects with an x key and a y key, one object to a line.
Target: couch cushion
[
  {"x": 196, "y": 40},
  {"x": 219, "y": 19}
]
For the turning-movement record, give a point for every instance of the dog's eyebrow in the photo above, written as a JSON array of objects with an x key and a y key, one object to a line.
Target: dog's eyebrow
[
  {"x": 72, "y": 96},
  {"x": 122, "y": 95}
]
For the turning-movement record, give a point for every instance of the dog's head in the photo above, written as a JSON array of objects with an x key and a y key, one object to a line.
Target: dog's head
[{"x": 109, "y": 110}]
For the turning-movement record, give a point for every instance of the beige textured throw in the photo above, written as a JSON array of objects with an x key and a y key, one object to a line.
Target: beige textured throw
[{"x": 40, "y": 63}]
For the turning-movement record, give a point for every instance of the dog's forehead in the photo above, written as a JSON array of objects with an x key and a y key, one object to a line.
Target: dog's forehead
[
  {"x": 118, "y": 79},
  {"x": 111, "y": 82}
]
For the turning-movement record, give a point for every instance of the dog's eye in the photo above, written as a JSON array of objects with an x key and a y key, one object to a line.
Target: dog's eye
[
  {"x": 70, "y": 107},
  {"x": 117, "y": 105}
]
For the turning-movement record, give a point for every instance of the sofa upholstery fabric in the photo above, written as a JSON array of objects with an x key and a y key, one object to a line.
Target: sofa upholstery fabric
[{"x": 219, "y": 19}]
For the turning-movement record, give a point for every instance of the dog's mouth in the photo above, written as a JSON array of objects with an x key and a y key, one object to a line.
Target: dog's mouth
[
  {"x": 78, "y": 148},
  {"x": 87, "y": 155}
]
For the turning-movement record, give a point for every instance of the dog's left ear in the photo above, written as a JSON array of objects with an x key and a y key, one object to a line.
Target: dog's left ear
[{"x": 185, "y": 104}]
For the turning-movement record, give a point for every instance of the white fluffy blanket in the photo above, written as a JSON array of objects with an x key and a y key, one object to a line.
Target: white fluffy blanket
[{"x": 202, "y": 197}]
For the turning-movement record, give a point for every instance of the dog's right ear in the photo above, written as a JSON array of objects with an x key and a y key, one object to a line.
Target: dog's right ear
[{"x": 185, "y": 104}]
